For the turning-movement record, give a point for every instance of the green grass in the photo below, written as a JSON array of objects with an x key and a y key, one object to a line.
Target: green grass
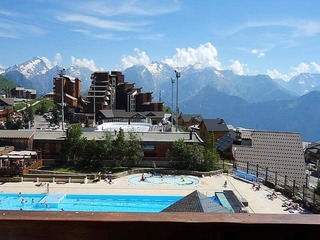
[{"x": 5, "y": 83}]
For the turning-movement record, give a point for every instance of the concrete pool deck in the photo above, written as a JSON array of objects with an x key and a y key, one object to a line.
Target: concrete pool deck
[{"x": 257, "y": 200}]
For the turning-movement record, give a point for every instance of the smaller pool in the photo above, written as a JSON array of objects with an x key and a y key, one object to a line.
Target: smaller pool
[{"x": 164, "y": 179}]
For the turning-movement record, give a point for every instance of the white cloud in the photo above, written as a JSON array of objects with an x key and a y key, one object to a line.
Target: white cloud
[
  {"x": 237, "y": 67},
  {"x": 141, "y": 58},
  {"x": 316, "y": 67},
  {"x": 203, "y": 56},
  {"x": 88, "y": 63},
  {"x": 136, "y": 7},
  {"x": 275, "y": 74},
  {"x": 258, "y": 53},
  {"x": 56, "y": 61},
  {"x": 102, "y": 23},
  {"x": 301, "y": 68}
]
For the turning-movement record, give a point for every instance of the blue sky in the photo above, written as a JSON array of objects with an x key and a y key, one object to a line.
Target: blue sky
[{"x": 279, "y": 38}]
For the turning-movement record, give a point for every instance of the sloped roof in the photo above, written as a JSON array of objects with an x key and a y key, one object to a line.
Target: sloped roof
[
  {"x": 224, "y": 143},
  {"x": 8, "y": 101},
  {"x": 188, "y": 117},
  {"x": 16, "y": 133},
  {"x": 215, "y": 125},
  {"x": 124, "y": 114},
  {"x": 195, "y": 202}
]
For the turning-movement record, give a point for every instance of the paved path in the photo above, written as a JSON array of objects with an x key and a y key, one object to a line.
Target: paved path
[{"x": 257, "y": 200}]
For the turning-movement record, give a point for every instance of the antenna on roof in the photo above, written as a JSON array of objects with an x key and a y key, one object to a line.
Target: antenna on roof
[{"x": 61, "y": 72}]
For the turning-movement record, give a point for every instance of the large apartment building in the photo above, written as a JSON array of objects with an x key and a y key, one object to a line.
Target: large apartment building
[
  {"x": 109, "y": 91},
  {"x": 68, "y": 87},
  {"x": 280, "y": 152}
]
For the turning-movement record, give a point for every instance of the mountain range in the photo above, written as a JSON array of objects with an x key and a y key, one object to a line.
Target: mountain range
[{"x": 257, "y": 102}]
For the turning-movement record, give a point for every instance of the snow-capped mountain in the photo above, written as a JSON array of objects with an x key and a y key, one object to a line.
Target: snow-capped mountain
[
  {"x": 302, "y": 83},
  {"x": 248, "y": 101},
  {"x": 36, "y": 74},
  {"x": 31, "y": 68},
  {"x": 157, "y": 77}
]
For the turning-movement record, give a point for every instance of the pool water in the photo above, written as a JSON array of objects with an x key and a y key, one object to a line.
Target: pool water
[
  {"x": 86, "y": 203},
  {"x": 164, "y": 179}
]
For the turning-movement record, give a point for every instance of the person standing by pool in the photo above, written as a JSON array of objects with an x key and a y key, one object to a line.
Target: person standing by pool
[
  {"x": 225, "y": 183},
  {"x": 143, "y": 178},
  {"x": 48, "y": 189}
]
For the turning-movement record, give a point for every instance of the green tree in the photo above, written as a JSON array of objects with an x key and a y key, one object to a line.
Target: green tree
[
  {"x": 211, "y": 156},
  {"x": 179, "y": 155},
  {"x": 10, "y": 123},
  {"x": 105, "y": 146},
  {"x": 317, "y": 189},
  {"x": 119, "y": 149},
  {"x": 134, "y": 150},
  {"x": 73, "y": 146},
  {"x": 194, "y": 157}
]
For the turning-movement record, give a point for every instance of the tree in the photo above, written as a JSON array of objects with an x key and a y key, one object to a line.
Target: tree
[
  {"x": 119, "y": 148},
  {"x": 194, "y": 157},
  {"x": 134, "y": 150},
  {"x": 11, "y": 124},
  {"x": 74, "y": 145},
  {"x": 211, "y": 156},
  {"x": 105, "y": 146},
  {"x": 317, "y": 189},
  {"x": 179, "y": 155}
]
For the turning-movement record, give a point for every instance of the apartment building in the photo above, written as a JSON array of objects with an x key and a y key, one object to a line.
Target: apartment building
[
  {"x": 109, "y": 91},
  {"x": 280, "y": 152},
  {"x": 21, "y": 92}
]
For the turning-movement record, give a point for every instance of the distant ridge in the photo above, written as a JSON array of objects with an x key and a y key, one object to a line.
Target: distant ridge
[{"x": 248, "y": 101}]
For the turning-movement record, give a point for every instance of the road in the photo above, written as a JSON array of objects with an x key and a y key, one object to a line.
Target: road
[{"x": 40, "y": 122}]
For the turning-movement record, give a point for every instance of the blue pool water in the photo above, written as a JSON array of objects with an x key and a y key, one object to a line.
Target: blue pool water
[
  {"x": 164, "y": 179},
  {"x": 85, "y": 203}
]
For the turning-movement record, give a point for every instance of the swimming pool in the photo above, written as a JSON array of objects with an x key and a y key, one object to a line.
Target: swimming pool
[
  {"x": 87, "y": 203},
  {"x": 164, "y": 179}
]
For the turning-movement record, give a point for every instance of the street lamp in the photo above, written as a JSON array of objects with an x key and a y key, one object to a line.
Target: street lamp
[
  {"x": 94, "y": 98},
  {"x": 172, "y": 81},
  {"x": 177, "y": 107},
  {"x": 235, "y": 158},
  {"x": 62, "y": 96}
]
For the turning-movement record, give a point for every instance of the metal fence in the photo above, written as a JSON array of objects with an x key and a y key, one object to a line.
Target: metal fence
[{"x": 287, "y": 187}]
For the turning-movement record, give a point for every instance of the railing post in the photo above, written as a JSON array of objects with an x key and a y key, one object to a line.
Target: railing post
[
  {"x": 247, "y": 167},
  {"x": 293, "y": 187},
  {"x": 303, "y": 193},
  {"x": 285, "y": 182},
  {"x": 266, "y": 177},
  {"x": 257, "y": 173},
  {"x": 276, "y": 179}
]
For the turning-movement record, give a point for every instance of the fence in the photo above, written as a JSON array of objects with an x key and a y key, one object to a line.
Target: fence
[{"x": 287, "y": 187}]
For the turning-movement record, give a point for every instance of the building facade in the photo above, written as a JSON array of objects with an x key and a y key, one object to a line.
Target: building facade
[
  {"x": 6, "y": 108},
  {"x": 109, "y": 91},
  {"x": 21, "y": 92},
  {"x": 66, "y": 91},
  {"x": 217, "y": 127},
  {"x": 280, "y": 152}
]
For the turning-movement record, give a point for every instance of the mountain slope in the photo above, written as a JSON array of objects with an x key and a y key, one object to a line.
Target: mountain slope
[
  {"x": 298, "y": 115},
  {"x": 302, "y": 83},
  {"x": 5, "y": 84}
]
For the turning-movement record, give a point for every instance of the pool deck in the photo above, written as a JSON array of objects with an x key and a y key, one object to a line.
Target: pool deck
[{"x": 257, "y": 200}]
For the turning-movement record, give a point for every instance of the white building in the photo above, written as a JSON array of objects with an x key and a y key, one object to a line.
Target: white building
[{"x": 281, "y": 152}]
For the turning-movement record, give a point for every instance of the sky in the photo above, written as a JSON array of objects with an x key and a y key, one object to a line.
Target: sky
[{"x": 249, "y": 37}]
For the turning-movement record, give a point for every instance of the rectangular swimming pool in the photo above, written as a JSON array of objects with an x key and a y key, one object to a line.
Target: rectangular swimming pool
[{"x": 85, "y": 203}]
